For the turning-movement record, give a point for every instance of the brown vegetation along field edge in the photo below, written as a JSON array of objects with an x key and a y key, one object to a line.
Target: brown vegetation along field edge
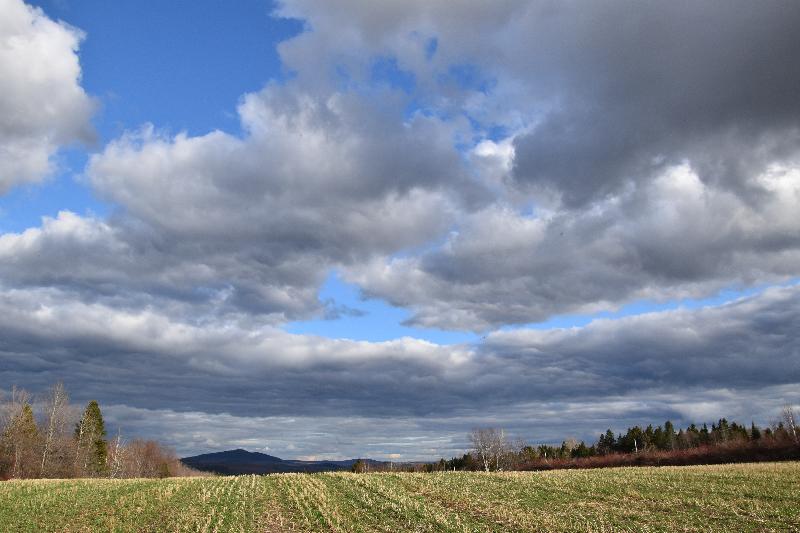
[{"x": 733, "y": 452}]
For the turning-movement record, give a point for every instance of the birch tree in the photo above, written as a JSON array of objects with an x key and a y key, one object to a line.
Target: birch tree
[
  {"x": 56, "y": 421},
  {"x": 790, "y": 422},
  {"x": 490, "y": 446},
  {"x": 481, "y": 446},
  {"x": 116, "y": 456}
]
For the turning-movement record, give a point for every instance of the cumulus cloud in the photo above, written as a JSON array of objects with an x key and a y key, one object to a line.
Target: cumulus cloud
[
  {"x": 682, "y": 189},
  {"x": 676, "y": 237},
  {"x": 253, "y": 224},
  {"x": 314, "y": 183},
  {"x": 645, "y": 152},
  {"x": 42, "y": 105},
  {"x": 598, "y": 95}
]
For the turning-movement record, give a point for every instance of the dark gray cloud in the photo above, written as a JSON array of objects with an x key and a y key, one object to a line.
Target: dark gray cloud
[
  {"x": 425, "y": 438},
  {"x": 597, "y": 95},
  {"x": 641, "y": 367},
  {"x": 632, "y": 88},
  {"x": 605, "y": 107},
  {"x": 674, "y": 238}
]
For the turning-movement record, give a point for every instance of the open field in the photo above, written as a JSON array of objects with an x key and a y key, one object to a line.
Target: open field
[{"x": 744, "y": 497}]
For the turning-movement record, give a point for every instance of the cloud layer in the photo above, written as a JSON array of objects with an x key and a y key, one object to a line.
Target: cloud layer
[
  {"x": 681, "y": 364},
  {"x": 481, "y": 166}
]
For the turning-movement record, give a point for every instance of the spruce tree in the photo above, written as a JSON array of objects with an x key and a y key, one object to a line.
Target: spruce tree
[
  {"x": 606, "y": 443},
  {"x": 669, "y": 435},
  {"x": 704, "y": 435},
  {"x": 659, "y": 438},
  {"x": 92, "y": 446}
]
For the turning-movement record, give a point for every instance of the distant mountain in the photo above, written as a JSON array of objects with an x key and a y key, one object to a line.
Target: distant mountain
[{"x": 236, "y": 462}]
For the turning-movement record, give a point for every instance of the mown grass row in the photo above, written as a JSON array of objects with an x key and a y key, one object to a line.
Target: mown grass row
[{"x": 756, "y": 497}]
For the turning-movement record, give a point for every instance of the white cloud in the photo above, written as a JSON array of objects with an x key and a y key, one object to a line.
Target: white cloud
[{"x": 42, "y": 105}]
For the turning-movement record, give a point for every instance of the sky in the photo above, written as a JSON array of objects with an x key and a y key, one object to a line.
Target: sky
[{"x": 343, "y": 228}]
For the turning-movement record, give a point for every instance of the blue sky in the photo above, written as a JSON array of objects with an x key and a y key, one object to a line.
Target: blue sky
[
  {"x": 182, "y": 67},
  {"x": 392, "y": 218}
]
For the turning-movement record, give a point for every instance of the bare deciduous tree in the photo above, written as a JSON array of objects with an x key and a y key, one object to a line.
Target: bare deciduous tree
[
  {"x": 147, "y": 458},
  {"x": 481, "y": 445},
  {"x": 56, "y": 423},
  {"x": 116, "y": 456},
  {"x": 491, "y": 447},
  {"x": 20, "y": 440},
  {"x": 790, "y": 422}
]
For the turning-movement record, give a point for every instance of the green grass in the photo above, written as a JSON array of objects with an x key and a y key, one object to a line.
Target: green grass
[{"x": 751, "y": 497}]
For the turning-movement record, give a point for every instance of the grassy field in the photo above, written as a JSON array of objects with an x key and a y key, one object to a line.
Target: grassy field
[{"x": 752, "y": 497}]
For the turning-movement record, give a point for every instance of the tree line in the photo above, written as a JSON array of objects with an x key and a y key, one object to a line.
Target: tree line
[
  {"x": 48, "y": 437},
  {"x": 724, "y": 441}
]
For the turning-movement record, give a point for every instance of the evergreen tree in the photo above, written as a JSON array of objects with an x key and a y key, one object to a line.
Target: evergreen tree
[
  {"x": 669, "y": 436},
  {"x": 648, "y": 437},
  {"x": 693, "y": 437},
  {"x": 92, "y": 447},
  {"x": 738, "y": 432},
  {"x": 606, "y": 443},
  {"x": 659, "y": 438},
  {"x": 581, "y": 451},
  {"x": 547, "y": 452},
  {"x": 755, "y": 433},
  {"x": 704, "y": 435},
  {"x": 528, "y": 454},
  {"x": 633, "y": 441},
  {"x": 721, "y": 431}
]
